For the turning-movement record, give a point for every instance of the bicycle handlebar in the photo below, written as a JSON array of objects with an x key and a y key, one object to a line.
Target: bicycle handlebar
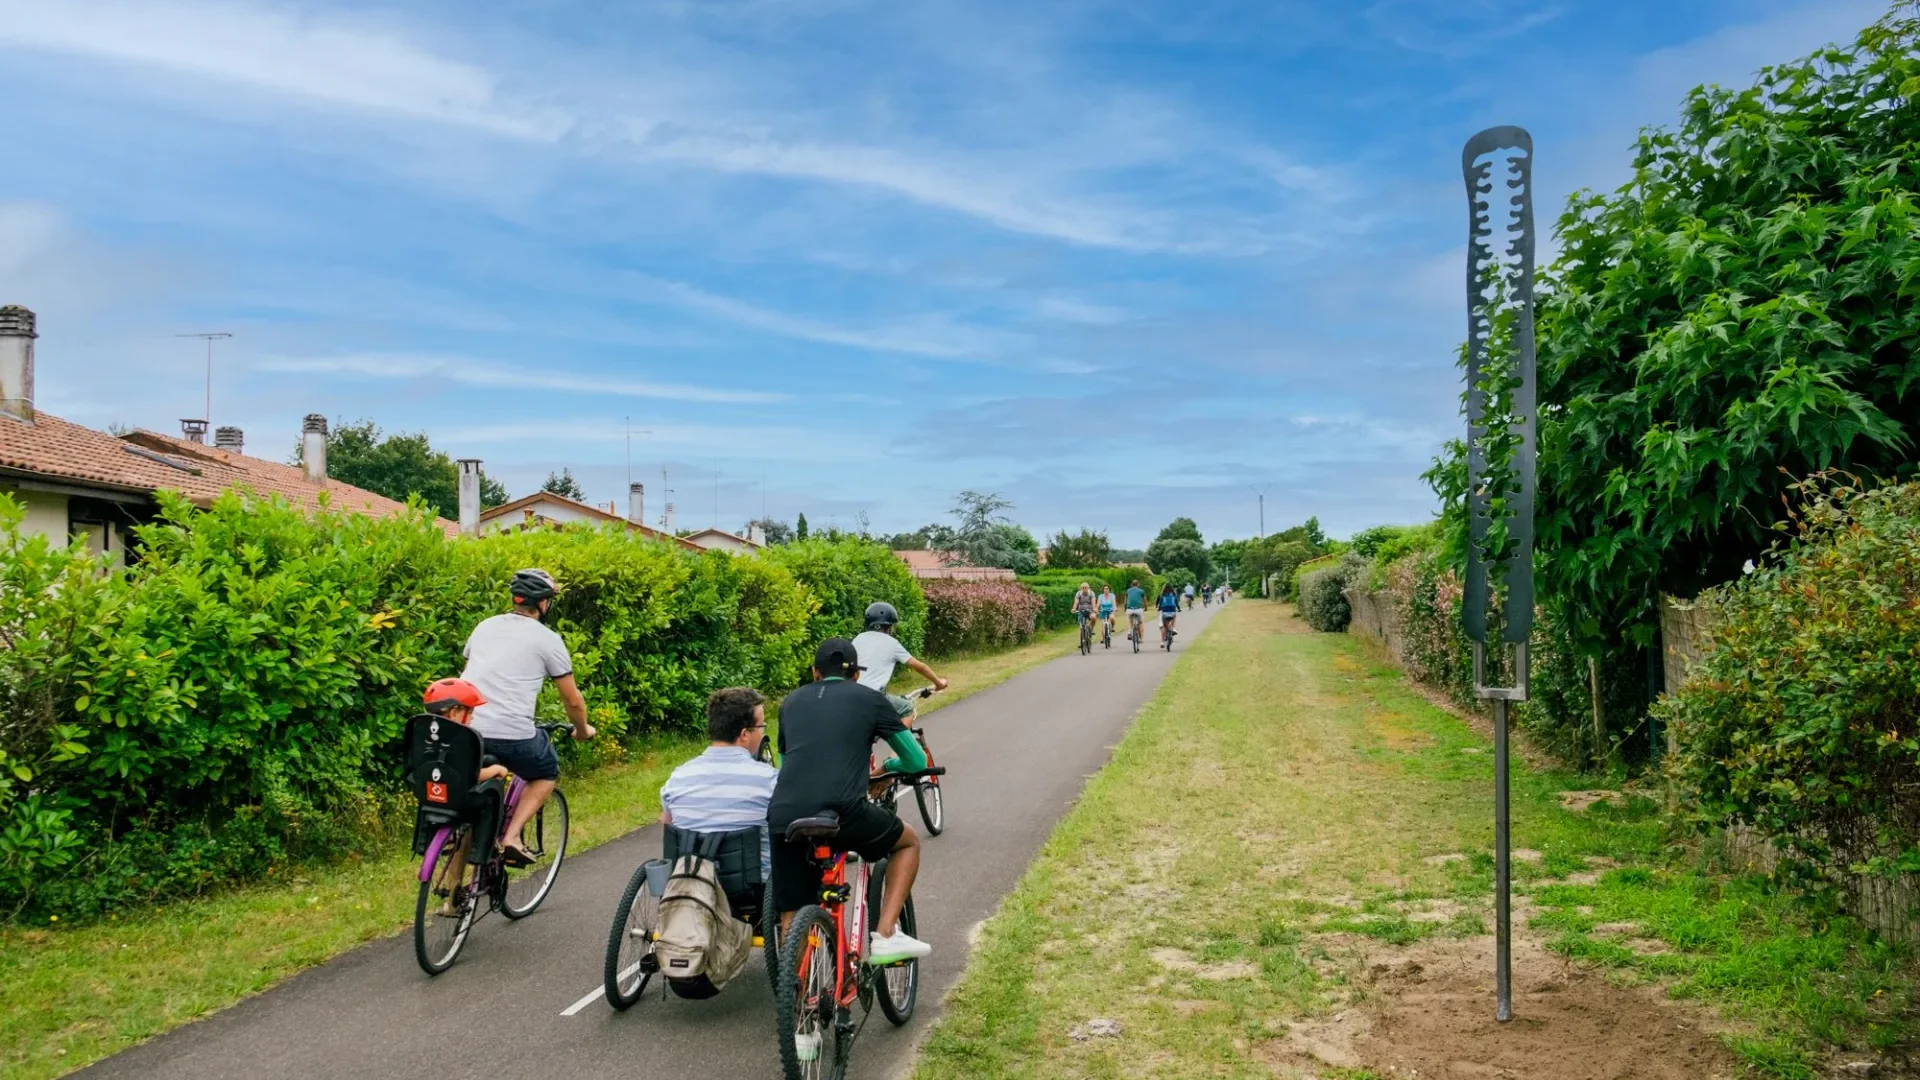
[
  {"x": 918, "y": 774},
  {"x": 554, "y": 729}
]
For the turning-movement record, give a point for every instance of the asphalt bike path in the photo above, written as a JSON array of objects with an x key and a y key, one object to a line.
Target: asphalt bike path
[{"x": 524, "y": 999}]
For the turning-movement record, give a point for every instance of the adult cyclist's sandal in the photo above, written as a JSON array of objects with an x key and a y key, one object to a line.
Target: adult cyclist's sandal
[{"x": 516, "y": 858}]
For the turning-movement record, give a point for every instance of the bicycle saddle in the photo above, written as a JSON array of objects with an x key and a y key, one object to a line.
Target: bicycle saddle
[{"x": 819, "y": 827}]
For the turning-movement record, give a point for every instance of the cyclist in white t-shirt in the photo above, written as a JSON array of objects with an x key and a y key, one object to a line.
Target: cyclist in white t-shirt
[
  {"x": 509, "y": 658},
  {"x": 881, "y": 652}
]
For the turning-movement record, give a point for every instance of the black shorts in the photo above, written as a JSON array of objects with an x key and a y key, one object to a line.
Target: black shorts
[
  {"x": 529, "y": 759},
  {"x": 870, "y": 832}
]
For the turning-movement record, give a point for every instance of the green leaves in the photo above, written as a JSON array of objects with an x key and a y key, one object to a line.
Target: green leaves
[
  {"x": 1801, "y": 719},
  {"x": 1745, "y": 305}
]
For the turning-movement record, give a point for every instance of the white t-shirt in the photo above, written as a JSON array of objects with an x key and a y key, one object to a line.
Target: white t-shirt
[
  {"x": 509, "y": 657},
  {"x": 879, "y": 654}
]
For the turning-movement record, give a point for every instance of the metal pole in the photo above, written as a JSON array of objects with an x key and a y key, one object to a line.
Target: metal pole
[
  {"x": 209, "y": 338},
  {"x": 1502, "y": 871}
]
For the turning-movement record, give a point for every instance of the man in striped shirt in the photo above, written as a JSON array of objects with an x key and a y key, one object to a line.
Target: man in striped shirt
[{"x": 726, "y": 788}]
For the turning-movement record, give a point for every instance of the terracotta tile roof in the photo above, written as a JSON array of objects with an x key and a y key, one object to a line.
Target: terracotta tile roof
[
  {"x": 924, "y": 560},
  {"x": 529, "y": 504},
  {"x": 147, "y": 461}
]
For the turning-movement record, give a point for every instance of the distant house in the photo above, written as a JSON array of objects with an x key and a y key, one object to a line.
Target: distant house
[
  {"x": 722, "y": 540},
  {"x": 75, "y": 481},
  {"x": 933, "y": 565},
  {"x": 544, "y": 508}
]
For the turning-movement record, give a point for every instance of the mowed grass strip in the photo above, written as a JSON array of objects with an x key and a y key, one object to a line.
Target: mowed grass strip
[
  {"x": 70, "y": 996},
  {"x": 1285, "y": 795}
]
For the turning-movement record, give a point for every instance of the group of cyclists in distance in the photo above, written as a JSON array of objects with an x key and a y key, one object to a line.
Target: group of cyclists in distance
[
  {"x": 827, "y": 731},
  {"x": 1088, "y": 606}
]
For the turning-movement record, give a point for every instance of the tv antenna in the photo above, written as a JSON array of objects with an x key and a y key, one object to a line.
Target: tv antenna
[{"x": 209, "y": 338}]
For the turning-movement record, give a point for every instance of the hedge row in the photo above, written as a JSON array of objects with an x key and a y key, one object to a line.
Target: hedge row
[
  {"x": 235, "y": 699},
  {"x": 970, "y": 616}
]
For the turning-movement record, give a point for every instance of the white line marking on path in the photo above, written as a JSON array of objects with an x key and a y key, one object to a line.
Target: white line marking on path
[{"x": 598, "y": 994}]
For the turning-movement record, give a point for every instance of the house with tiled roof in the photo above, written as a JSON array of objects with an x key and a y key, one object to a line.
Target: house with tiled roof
[
  {"x": 949, "y": 565},
  {"x": 545, "y": 509},
  {"x": 722, "y": 540},
  {"x": 76, "y": 481}
]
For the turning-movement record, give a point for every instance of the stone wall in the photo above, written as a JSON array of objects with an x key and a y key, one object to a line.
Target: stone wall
[{"x": 1374, "y": 617}]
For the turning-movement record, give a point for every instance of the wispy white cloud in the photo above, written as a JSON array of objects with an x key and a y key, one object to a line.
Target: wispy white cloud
[
  {"x": 1072, "y": 309},
  {"x": 321, "y": 60},
  {"x": 934, "y": 335},
  {"x": 468, "y": 372},
  {"x": 1047, "y": 188}
]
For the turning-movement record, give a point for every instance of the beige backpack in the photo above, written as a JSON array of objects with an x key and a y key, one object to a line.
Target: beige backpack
[{"x": 700, "y": 945}]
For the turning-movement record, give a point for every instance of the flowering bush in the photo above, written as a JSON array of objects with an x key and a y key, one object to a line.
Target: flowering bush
[
  {"x": 1804, "y": 718},
  {"x": 969, "y": 615}
]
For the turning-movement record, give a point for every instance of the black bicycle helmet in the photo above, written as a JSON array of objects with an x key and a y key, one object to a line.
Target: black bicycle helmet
[
  {"x": 881, "y": 615},
  {"x": 532, "y": 586}
]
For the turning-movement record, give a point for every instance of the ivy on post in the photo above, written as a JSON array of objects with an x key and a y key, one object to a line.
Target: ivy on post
[{"x": 1501, "y": 446}]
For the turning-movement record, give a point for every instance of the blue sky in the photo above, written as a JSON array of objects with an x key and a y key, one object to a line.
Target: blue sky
[{"x": 1118, "y": 260}]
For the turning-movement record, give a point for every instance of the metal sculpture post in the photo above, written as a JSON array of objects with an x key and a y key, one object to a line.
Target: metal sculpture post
[{"x": 1501, "y": 444}]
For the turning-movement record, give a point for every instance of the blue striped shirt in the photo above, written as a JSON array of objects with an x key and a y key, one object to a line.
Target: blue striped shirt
[{"x": 722, "y": 790}]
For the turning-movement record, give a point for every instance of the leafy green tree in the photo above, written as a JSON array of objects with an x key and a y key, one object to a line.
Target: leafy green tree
[
  {"x": 1085, "y": 549},
  {"x": 1225, "y": 555},
  {"x": 1180, "y": 528},
  {"x": 800, "y": 528},
  {"x": 400, "y": 466},
  {"x": 1274, "y": 556},
  {"x": 984, "y": 536},
  {"x": 1166, "y": 555},
  {"x": 563, "y": 484},
  {"x": 1741, "y": 313}
]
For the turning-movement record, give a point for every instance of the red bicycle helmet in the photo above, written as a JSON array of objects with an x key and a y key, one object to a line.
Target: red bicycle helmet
[{"x": 447, "y": 693}]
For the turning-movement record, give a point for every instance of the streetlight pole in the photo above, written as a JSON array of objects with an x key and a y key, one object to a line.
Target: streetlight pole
[
  {"x": 209, "y": 338},
  {"x": 1263, "y": 510}
]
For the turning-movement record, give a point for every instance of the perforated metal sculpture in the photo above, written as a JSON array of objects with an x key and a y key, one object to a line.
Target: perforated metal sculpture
[{"x": 1501, "y": 447}]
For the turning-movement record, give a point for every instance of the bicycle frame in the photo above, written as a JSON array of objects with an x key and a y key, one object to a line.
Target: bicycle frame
[
  {"x": 482, "y": 873},
  {"x": 835, "y": 894}
]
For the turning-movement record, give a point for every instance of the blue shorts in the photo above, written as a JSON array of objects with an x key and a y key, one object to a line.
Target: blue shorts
[{"x": 529, "y": 759}]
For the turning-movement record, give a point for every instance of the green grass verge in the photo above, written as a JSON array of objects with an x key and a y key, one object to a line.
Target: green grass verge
[
  {"x": 72, "y": 995},
  {"x": 1284, "y": 788}
]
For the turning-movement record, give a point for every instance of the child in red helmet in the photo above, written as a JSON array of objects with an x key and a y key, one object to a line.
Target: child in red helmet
[{"x": 456, "y": 699}]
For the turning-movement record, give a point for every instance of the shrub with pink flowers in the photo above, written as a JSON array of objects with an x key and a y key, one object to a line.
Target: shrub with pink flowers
[{"x": 967, "y": 616}]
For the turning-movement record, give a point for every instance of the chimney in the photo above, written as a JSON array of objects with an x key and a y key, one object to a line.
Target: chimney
[
  {"x": 313, "y": 447},
  {"x": 194, "y": 431},
  {"x": 757, "y": 535},
  {"x": 469, "y": 496},
  {"x": 16, "y": 362},
  {"x": 229, "y": 438},
  {"x": 637, "y": 503},
  {"x": 666, "y": 522}
]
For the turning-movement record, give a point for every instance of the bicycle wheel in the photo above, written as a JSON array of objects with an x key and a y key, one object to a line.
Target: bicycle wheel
[
  {"x": 933, "y": 808},
  {"x": 437, "y": 937},
  {"x": 811, "y": 1044},
  {"x": 900, "y": 983},
  {"x": 630, "y": 963},
  {"x": 546, "y": 837}
]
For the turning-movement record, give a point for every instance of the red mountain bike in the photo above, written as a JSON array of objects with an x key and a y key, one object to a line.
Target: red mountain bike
[{"x": 824, "y": 977}]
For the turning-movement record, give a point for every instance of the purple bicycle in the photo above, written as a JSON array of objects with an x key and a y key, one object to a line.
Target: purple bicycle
[{"x": 462, "y": 822}]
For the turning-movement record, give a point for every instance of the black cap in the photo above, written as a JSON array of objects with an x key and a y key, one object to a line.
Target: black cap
[{"x": 836, "y": 656}]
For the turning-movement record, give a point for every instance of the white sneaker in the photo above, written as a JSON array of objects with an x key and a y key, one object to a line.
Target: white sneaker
[
  {"x": 806, "y": 1045},
  {"x": 896, "y": 948}
]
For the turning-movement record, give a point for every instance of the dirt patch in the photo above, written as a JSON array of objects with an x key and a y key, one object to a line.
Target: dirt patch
[
  {"x": 1431, "y": 1015},
  {"x": 1396, "y": 731},
  {"x": 1581, "y": 801},
  {"x": 1178, "y": 960}
]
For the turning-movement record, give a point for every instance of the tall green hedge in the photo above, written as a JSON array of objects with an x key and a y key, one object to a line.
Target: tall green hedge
[
  {"x": 847, "y": 573},
  {"x": 236, "y": 698}
]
